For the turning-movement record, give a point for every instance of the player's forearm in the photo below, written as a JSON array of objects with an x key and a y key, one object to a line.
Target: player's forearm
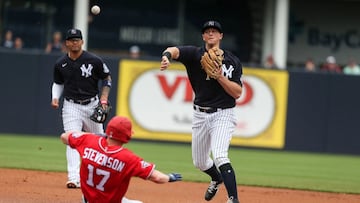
[
  {"x": 174, "y": 52},
  {"x": 56, "y": 90},
  {"x": 105, "y": 91},
  {"x": 159, "y": 177},
  {"x": 232, "y": 88},
  {"x": 167, "y": 55}
]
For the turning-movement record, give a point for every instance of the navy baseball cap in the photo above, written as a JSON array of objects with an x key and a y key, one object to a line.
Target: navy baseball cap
[
  {"x": 212, "y": 24},
  {"x": 73, "y": 33}
]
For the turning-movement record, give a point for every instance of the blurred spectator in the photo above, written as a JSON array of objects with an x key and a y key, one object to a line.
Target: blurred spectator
[
  {"x": 310, "y": 65},
  {"x": 18, "y": 43},
  {"x": 8, "y": 40},
  {"x": 331, "y": 66},
  {"x": 134, "y": 52},
  {"x": 56, "y": 44},
  {"x": 270, "y": 63},
  {"x": 352, "y": 68}
]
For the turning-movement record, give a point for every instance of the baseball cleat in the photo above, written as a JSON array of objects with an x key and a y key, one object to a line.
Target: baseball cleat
[
  {"x": 212, "y": 189},
  {"x": 73, "y": 184},
  {"x": 231, "y": 200}
]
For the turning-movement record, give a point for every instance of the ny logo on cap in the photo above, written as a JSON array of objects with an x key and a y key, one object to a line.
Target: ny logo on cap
[
  {"x": 211, "y": 23},
  {"x": 73, "y": 31}
]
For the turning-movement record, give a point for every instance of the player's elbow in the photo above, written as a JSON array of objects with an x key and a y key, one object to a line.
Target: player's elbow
[
  {"x": 64, "y": 138},
  {"x": 236, "y": 94}
]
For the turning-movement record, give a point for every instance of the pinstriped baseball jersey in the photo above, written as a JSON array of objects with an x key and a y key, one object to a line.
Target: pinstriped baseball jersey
[
  {"x": 214, "y": 119},
  {"x": 212, "y": 129}
]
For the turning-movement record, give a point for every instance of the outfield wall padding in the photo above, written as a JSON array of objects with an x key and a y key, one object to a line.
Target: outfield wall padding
[{"x": 322, "y": 116}]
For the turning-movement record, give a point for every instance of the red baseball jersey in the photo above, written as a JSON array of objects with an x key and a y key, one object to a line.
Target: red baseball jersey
[{"x": 105, "y": 171}]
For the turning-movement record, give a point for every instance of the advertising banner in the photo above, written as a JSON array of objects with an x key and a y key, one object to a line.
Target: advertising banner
[{"x": 160, "y": 104}]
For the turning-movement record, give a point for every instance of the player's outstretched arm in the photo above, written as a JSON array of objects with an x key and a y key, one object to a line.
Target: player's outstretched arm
[{"x": 160, "y": 177}]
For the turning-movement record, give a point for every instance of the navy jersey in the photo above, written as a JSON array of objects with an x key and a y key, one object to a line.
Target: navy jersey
[
  {"x": 80, "y": 77},
  {"x": 209, "y": 93}
]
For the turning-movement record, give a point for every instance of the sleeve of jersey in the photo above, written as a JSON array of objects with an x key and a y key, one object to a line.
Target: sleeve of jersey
[
  {"x": 103, "y": 69},
  {"x": 75, "y": 139},
  {"x": 187, "y": 53},
  {"x": 237, "y": 74},
  {"x": 57, "y": 76},
  {"x": 142, "y": 168}
]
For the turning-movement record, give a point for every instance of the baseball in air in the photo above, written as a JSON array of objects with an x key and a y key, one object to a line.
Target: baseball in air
[{"x": 95, "y": 9}]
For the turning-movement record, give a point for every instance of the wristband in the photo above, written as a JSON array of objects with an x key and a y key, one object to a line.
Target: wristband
[
  {"x": 103, "y": 102},
  {"x": 106, "y": 83},
  {"x": 167, "y": 54}
]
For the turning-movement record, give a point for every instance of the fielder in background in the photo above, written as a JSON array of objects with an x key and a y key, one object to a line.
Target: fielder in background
[
  {"x": 216, "y": 90},
  {"x": 76, "y": 77},
  {"x": 106, "y": 178}
]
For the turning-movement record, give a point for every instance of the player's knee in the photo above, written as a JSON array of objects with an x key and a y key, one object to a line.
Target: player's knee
[
  {"x": 201, "y": 165},
  {"x": 198, "y": 164},
  {"x": 219, "y": 161}
]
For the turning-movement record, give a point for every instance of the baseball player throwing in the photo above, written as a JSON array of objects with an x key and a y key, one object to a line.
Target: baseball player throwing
[
  {"x": 216, "y": 89},
  {"x": 107, "y": 166}
]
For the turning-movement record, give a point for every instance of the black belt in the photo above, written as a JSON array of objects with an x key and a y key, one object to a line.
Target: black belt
[
  {"x": 82, "y": 102},
  {"x": 206, "y": 109}
]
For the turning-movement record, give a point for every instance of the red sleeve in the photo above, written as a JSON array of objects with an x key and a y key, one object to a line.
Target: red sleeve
[
  {"x": 76, "y": 139},
  {"x": 139, "y": 167}
]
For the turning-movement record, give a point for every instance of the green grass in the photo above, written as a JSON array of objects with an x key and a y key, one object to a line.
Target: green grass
[
  {"x": 32, "y": 152},
  {"x": 266, "y": 168}
]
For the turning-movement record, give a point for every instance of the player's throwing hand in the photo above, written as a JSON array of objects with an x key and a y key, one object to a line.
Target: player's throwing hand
[{"x": 165, "y": 62}]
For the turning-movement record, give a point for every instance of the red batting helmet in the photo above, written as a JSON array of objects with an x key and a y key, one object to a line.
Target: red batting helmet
[{"x": 119, "y": 128}]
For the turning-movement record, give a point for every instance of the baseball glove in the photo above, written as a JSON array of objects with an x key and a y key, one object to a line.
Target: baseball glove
[
  {"x": 100, "y": 113},
  {"x": 211, "y": 62}
]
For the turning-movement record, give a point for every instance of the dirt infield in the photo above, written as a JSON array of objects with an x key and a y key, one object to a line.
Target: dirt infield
[{"x": 25, "y": 186}]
